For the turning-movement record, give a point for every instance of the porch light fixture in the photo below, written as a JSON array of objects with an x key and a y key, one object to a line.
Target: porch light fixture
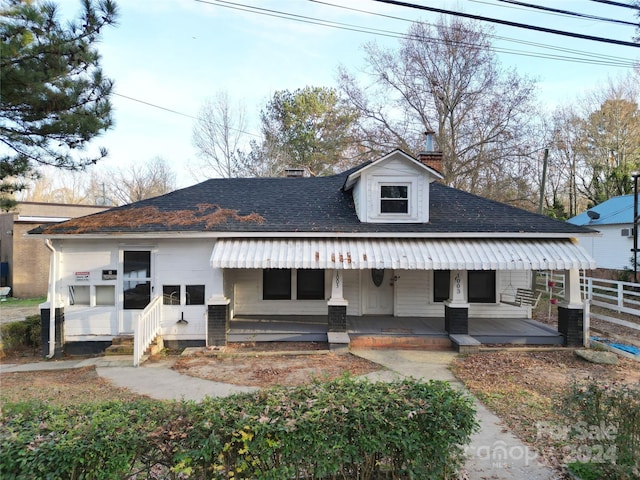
[
  {"x": 636, "y": 218},
  {"x": 182, "y": 321}
]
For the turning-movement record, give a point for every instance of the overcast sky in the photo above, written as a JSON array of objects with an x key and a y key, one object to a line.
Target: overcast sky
[{"x": 176, "y": 53}]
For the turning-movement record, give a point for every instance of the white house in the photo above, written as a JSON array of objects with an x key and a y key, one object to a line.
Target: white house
[
  {"x": 379, "y": 244},
  {"x": 613, "y": 249}
]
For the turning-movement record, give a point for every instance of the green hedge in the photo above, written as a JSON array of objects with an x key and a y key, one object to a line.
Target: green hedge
[
  {"x": 605, "y": 433},
  {"x": 25, "y": 334},
  {"x": 346, "y": 428}
]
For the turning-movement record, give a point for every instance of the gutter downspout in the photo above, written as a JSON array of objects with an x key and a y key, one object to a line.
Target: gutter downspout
[{"x": 52, "y": 296}]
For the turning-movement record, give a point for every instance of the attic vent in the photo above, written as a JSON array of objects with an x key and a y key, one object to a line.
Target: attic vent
[
  {"x": 294, "y": 172},
  {"x": 626, "y": 232}
]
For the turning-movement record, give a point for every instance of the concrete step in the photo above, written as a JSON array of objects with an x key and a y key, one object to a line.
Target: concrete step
[
  {"x": 122, "y": 340},
  {"x": 119, "y": 350},
  {"x": 123, "y": 345}
]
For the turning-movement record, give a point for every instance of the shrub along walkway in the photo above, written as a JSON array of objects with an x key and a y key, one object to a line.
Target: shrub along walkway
[{"x": 494, "y": 453}]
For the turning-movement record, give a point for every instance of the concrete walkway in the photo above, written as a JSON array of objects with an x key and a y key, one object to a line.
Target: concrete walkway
[{"x": 494, "y": 453}]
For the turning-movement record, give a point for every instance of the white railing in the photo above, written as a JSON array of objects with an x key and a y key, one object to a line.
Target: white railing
[
  {"x": 620, "y": 297},
  {"x": 612, "y": 295},
  {"x": 146, "y": 328}
]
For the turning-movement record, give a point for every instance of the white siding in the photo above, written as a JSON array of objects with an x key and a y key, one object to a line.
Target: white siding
[
  {"x": 395, "y": 169},
  {"x": 611, "y": 250},
  {"x": 248, "y": 298},
  {"x": 413, "y": 289},
  {"x": 170, "y": 266},
  {"x": 351, "y": 291},
  {"x": 174, "y": 267}
]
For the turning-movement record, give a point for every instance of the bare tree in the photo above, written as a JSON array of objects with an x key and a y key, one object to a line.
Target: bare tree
[
  {"x": 55, "y": 186},
  {"x": 137, "y": 182},
  {"x": 595, "y": 144},
  {"x": 447, "y": 79},
  {"x": 218, "y": 135}
]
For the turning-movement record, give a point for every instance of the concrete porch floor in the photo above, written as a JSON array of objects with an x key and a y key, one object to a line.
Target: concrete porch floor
[{"x": 313, "y": 328}]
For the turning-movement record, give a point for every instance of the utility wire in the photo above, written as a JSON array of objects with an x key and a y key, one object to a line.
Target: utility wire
[
  {"x": 149, "y": 104},
  {"x": 618, "y": 4},
  {"x": 603, "y": 60},
  {"x": 154, "y": 105},
  {"x": 568, "y": 12},
  {"x": 510, "y": 24},
  {"x": 616, "y": 61}
]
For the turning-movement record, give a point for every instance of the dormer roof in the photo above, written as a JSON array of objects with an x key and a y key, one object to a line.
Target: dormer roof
[{"x": 395, "y": 154}]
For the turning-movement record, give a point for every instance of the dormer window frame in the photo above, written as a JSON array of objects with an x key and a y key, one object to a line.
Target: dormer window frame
[
  {"x": 411, "y": 185},
  {"x": 396, "y": 197}
]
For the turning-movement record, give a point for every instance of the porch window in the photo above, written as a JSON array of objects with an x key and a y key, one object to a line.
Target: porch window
[
  {"x": 79, "y": 295},
  {"x": 482, "y": 286},
  {"x": 441, "y": 282},
  {"x": 171, "y": 294},
  {"x": 310, "y": 285},
  {"x": 276, "y": 284},
  {"x": 137, "y": 279},
  {"x": 195, "y": 295},
  {"x": 105, "y": 295},
  {"x": 394, "y": 199}
]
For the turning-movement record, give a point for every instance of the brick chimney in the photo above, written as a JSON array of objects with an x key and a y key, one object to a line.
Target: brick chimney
[{"x": 429, "y": 156}]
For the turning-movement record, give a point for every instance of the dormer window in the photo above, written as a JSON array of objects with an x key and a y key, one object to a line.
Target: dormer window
[{"x": 394, "y": 199}]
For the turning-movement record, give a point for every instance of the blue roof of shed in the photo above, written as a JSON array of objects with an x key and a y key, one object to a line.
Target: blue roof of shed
[{"x": 615, "y": 211}]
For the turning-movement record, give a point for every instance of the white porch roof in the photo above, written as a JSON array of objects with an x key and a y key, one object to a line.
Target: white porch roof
[{"x": 401, "y": 254}]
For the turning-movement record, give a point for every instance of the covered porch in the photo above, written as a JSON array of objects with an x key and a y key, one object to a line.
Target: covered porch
[
  {"x": 420, "y": 310},
  {"x": 389, "y": 331}
]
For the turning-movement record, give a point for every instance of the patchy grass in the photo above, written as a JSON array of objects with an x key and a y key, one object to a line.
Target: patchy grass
[
  {"x": 60, "y": 387},
  {"x": 12, "y": 302}
]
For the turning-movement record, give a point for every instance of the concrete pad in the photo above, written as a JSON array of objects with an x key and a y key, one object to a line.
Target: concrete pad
[
  {"x": 35, "y": 366},
  {"x": 157, "y": 380}
]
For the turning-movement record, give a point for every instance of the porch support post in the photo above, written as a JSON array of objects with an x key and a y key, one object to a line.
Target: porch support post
[
  {"x": 456, "y": 309},
  {"x": 217, "y": 312},
  {"x": 571, "y": 311},
  {"x": 337, "y": 305}
]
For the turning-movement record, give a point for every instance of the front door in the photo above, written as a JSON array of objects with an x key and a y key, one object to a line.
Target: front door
[
  {"x": 377, "y": 289},
  {"x": 137, "y": 287}
]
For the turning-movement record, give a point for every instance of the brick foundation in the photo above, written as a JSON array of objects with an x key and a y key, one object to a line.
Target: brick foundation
[
  {"x": 217, "y": 324},
  {"x": 456, "y": 320},
  {"x": 570, "y": 325},
  {"x": 337, "y": 318},
  {"x": 45, "y": 320}
]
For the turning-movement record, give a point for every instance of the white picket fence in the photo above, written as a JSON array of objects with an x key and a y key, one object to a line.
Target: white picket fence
[
  {"x": 612, "y": 295},
  {"x": 620, "y": 297},
  {"x": 146, "y": 328}
]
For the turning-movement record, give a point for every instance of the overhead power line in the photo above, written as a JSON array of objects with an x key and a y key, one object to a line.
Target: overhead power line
[
  {"x": 509, "y": 23},
  {"x": 584, "y": 57},
  {"x": 149, "y": 104},
  {"x": 618, "y": 4},
  {"x": 568, "y": 12}
]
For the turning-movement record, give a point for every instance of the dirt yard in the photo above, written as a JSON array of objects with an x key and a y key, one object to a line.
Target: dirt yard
[
  {"x": 263, "y": 366},
  {"x": 525, "y": 389}
]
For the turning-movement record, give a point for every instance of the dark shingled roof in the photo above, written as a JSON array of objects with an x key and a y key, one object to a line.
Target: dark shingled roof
[{"x": 316, "y": 204}]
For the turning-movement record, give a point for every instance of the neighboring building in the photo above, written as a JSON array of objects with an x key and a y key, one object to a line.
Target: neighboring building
[
  {"x": 612, "y": 249},
  {"x": 25, "y": 260},
  {"x": 375, "y": 246}
]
